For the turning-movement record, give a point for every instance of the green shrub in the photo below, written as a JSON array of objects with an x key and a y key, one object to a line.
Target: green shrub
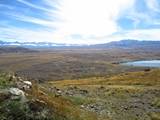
[
  {"x": 14, "y": 110},
  {"x": 156, "y": 103}
]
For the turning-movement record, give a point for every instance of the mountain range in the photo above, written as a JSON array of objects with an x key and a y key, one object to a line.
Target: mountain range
[{"x": 115, "y": 44}]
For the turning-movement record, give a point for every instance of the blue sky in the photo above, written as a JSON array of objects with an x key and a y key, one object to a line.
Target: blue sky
[{"x": 79, "y": 21}]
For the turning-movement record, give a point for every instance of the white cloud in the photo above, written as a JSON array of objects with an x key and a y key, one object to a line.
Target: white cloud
[
  {"x": 153, "y": 5},
  {"x": 94, "y": 21},
  {"x": 89, "y": 17},
  {"x": 138, "y": 34},
  {"x": 25, "y": 35},
  {"x": 34, "y": 6},
  {"x": 42, "y": 22}
]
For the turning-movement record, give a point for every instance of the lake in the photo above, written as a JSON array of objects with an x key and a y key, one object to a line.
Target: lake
[{"x": 144, "y": 63}]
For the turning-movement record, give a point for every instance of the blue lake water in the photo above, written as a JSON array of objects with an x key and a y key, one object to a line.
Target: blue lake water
[{"x": 145, "y": 63}]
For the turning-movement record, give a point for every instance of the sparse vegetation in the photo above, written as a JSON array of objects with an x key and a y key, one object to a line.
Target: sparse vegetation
[
  {"x": 133, "y": 95},
  {"x": 155, "y": 116},
  {"x": 88, "y": 86},
  {"x": 73, "y": 64},
  {"x": 156, "y": 102}
]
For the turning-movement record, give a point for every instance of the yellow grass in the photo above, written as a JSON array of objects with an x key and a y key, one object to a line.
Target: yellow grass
[{"x": 132, "y": 78}]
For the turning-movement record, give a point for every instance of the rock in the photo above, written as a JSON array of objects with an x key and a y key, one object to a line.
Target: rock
[
  {"x": 26, "y": 87},
  {"x": 16, "y": 91},
  {"x": 82, "y": 106},
  {"x": 59, "y": 91},
  {"x": 17, "y": 94},
  {"x": 96, "y": 107},
  {"x": 83, "y": 92},
  {"x": 69, "y": 93},
  {"x": 27, "y": 83}
]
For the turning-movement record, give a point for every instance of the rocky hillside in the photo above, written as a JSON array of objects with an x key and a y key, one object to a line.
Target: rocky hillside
[
  {"x": 127, "y": 96},
  {"x": 25, "y": 100},
  {"x": 18, "y": 100}
]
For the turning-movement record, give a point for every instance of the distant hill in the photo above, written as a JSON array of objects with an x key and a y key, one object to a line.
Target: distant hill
[
  {"x": 33, "y": 44},
  {"x": 129, "y": 44},
  {"x": 9, "y": 49},
  {"x": 115, "y": 44}
]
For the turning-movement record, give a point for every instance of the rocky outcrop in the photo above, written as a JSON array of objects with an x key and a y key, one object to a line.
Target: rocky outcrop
[
  {"x": 16, "y": 91},
  {"x": 24, "y": 85}
]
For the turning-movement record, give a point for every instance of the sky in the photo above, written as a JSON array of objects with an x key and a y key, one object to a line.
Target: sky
[{"x": 79, "y": 21}]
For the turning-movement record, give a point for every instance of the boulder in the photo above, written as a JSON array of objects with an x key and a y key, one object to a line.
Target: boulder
[
  {"x": 16, "y": 92},
  {"x": 27, "y": 83}
]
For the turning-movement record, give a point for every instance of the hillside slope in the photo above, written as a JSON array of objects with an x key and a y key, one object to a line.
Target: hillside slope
[
  {"x": 128, "y": 96},
  {"x": 130, "y": 44},
  {"x": 10, "y": 49}
]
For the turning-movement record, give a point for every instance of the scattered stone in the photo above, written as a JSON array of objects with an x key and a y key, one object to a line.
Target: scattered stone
[
  {"x": 83, "y": 92},
  {"x": 74, "y": 91},
  {"x": 24, "y": 85},
  {"x": 27, "y": 83},
  {"x": 69, "y": 93},
  {"x": 82, "y": 106},
  {"x": 72, "y": 88},
  {"x": 59, "y": 92},
  {"x": 96, "y": 107}
]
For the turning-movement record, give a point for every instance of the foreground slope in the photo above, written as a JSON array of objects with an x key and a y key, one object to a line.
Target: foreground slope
[
  {"x": 18, "y": 102},
  {"x": 128, "y": 96}
]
